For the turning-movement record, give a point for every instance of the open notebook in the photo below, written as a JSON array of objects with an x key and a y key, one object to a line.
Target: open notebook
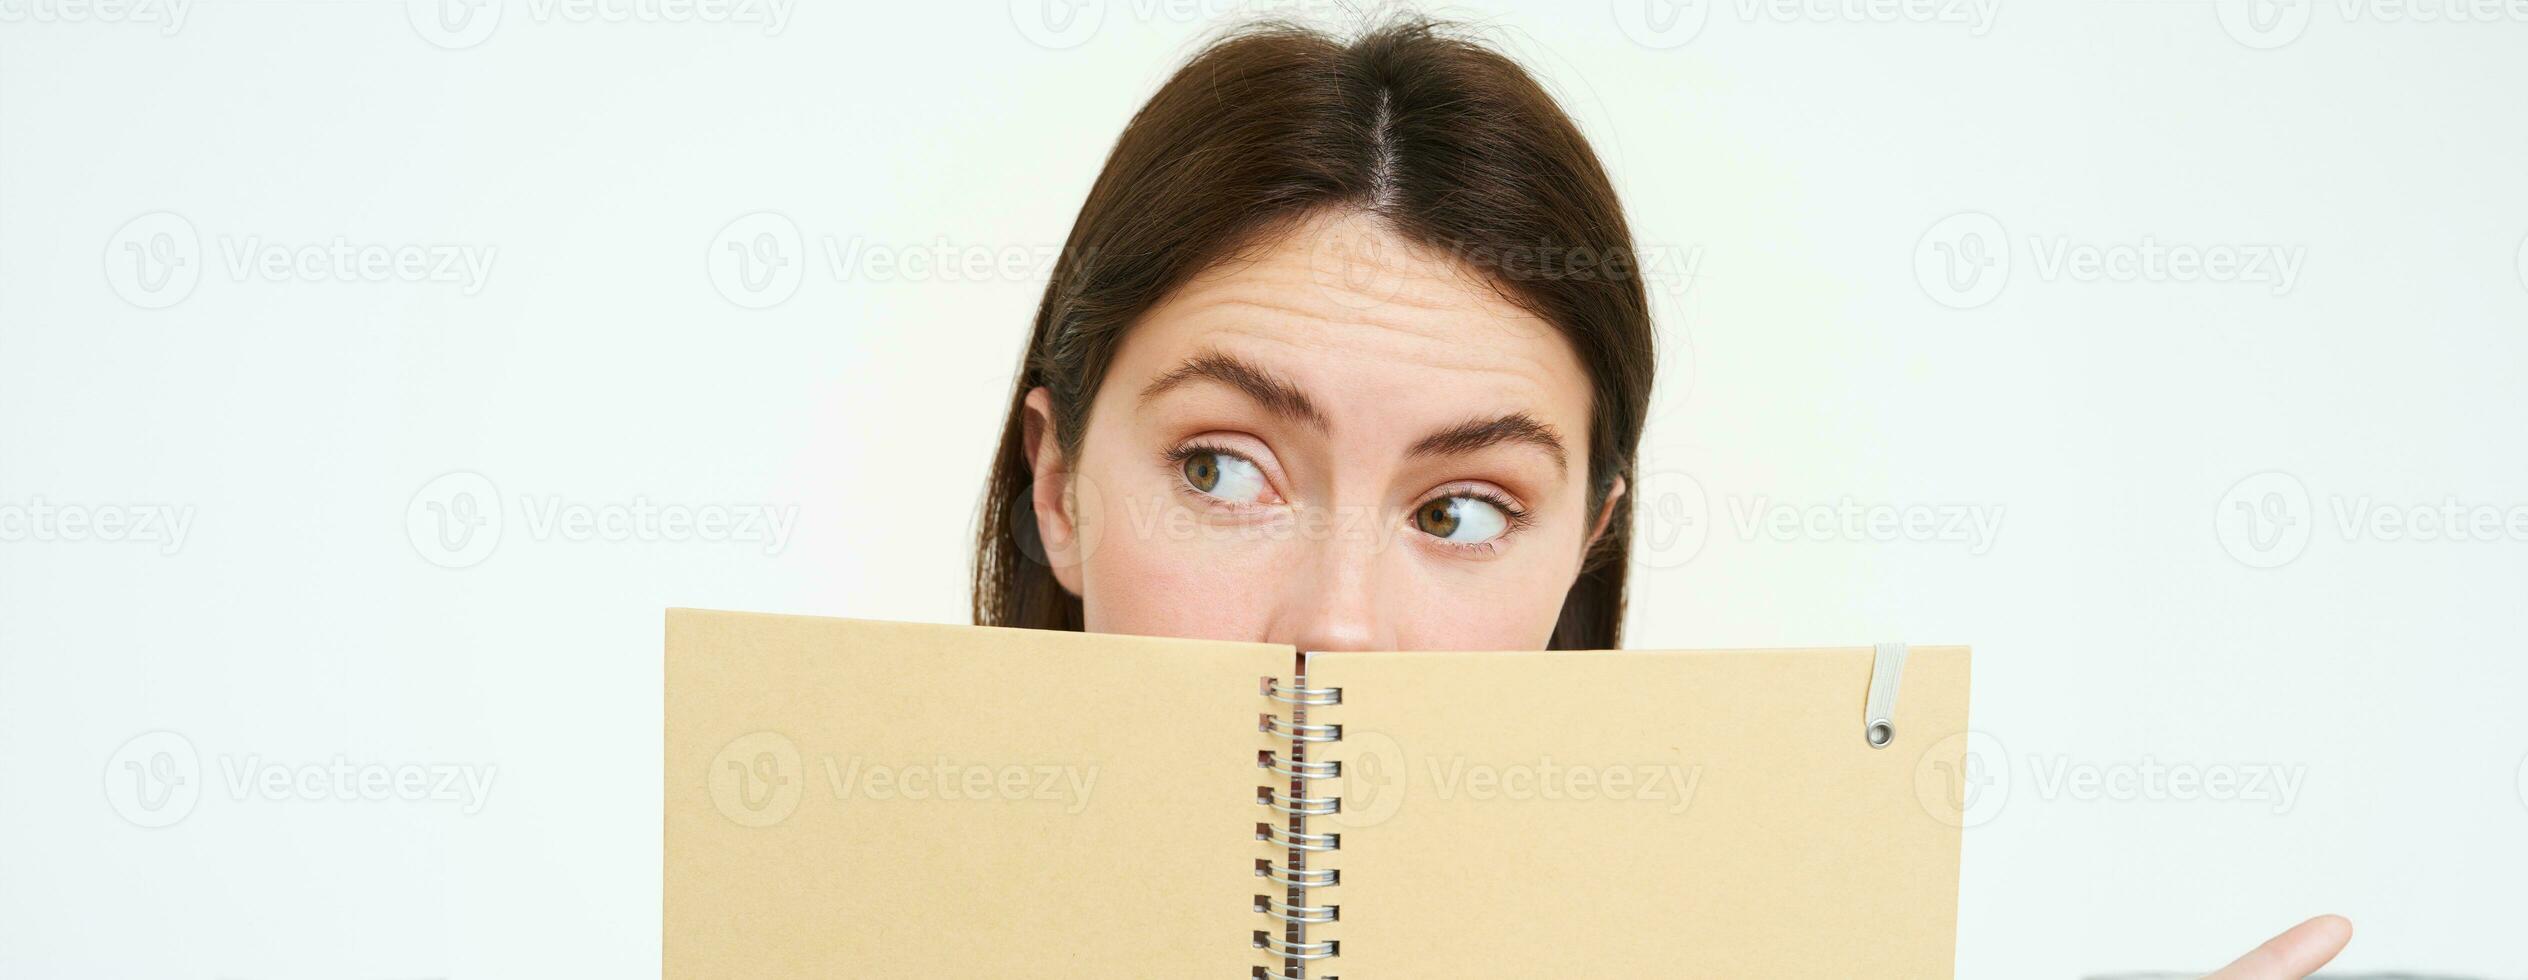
[{"x": 865, "y": 799}]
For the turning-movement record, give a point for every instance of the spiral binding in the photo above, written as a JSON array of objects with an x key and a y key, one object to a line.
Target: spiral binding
[
  {"x": 1302, "y": 734},
  {"x": 1294, "y": 910}
]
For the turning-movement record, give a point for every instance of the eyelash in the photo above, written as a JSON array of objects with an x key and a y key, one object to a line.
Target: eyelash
[
  {"x": 1514, "y": 519},
  {"x": 1175, "y": 459},
  {"x": 1513, "y": 516}
]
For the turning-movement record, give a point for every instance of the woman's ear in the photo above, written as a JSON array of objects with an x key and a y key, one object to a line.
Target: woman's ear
[
  {"x": 1606, "y": 514},
  {"x": 1053, "y": 494}
]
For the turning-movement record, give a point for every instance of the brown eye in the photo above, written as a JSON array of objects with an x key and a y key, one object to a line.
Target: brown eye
[
  {"x": 1202, "y": 471},
  {"x": 1437, "y": 518},
  {"x": 1464, "y": 520},
  {"x": 1227, "y": 476}
]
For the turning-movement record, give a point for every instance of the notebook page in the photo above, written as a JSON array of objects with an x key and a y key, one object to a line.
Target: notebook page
[
  {"x": 864, "y": 799},
  {"x": 1642, "y": 814}
]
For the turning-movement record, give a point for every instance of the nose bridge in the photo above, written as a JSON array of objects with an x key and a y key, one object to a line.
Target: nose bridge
[{"x": 1338, "y": 596}]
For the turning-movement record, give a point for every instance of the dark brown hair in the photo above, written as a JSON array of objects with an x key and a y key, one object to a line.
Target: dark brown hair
[{"x": 1452, "y": 144}]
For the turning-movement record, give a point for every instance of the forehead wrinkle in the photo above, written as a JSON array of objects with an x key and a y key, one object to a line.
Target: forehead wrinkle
[
  {"x": 1460, "y": 351},
  {"x": 1524, "y": 394},
  {"x": 1305, "y": 361},
  {"x": 1271, "y": 307},
  {"x": 1435, "y": 286}
]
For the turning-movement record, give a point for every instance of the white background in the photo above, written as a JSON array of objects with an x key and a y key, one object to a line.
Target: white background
[{"x": 1806, "y": 163}]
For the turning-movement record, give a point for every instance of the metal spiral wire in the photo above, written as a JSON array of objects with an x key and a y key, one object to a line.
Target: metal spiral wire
[{"x": 1292, "y": 804}]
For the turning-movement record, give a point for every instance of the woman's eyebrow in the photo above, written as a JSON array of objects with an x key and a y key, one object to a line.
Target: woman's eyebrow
[
  {"x": 1278, "y": 395},
  {"x": 1478, "y": 434},
  {"x": 1270, "y": 390}
]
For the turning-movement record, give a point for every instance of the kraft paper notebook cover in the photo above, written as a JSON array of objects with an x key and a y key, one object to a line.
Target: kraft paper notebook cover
[{"x": 866, "y": 799}]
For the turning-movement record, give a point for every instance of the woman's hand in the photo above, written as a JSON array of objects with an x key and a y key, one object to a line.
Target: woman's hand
[{"x": 2296, "y": 953}]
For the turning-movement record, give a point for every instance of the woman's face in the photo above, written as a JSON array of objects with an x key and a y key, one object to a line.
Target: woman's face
[{"x": 1339, "y": 442}]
